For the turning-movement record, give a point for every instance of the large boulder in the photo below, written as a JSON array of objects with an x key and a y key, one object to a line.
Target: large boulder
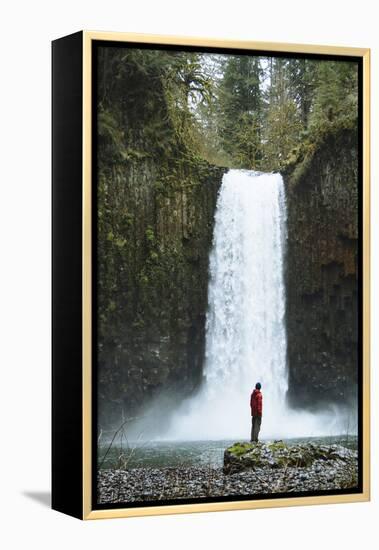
[{"x": 243, "y": 456}]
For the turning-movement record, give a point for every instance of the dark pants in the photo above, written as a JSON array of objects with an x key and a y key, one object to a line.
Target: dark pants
[{"x": 256, "y": 422}]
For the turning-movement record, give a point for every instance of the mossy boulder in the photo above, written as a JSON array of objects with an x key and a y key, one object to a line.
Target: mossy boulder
[{"x": 277, "y": 454}]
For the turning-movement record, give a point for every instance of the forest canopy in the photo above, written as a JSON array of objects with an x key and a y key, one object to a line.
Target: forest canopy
[{"x": 242, "y": 111}]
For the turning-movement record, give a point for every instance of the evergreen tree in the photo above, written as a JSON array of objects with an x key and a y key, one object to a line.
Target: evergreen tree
[
  {"x": 283, "y": 121},
  {"x": 301, "y": 82},
  {"x": 335, "y": 102},
  {"x": 240, "y": 113}
]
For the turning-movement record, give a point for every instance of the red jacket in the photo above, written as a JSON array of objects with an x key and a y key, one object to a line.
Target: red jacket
[{"x": 256, "y": 403}]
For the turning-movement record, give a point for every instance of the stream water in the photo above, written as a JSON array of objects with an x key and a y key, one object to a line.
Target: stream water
[{"x": 188, "y": 453}]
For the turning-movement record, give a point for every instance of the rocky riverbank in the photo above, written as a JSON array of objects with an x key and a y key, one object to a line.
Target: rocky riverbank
[{"x": 249, "y": 469}]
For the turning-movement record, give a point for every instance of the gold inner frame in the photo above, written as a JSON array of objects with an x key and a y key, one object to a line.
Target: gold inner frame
[{"x": 88, "y": 512}]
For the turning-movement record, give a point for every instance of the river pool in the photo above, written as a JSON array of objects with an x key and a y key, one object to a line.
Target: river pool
[{"x": 164, "y": 454}]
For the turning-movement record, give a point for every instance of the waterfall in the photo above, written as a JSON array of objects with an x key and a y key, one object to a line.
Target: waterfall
[
  {"x": 245, "y": 324},
  {"x": 245, "y": 330}
]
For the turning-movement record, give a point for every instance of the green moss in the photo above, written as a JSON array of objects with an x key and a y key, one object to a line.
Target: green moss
[
  {"x": 120, "y": 242},
  {"x": 150, "y": 235},
  {"x": 239, "y": 449},
  {"x": 277, "y": 445}
]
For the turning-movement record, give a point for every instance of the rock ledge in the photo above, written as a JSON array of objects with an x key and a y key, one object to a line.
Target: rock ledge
[{"x": 244, "y": 456}]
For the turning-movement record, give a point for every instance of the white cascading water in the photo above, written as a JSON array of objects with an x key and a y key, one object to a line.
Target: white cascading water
[
  {"x": 245, "y": 326},
  {"x": 245, "y": 332}
]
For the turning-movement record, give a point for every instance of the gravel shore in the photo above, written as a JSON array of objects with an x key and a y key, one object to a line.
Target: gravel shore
[{"x": 150, "y": 484}]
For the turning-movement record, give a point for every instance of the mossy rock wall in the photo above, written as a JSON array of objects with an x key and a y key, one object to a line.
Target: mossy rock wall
[
  {"x": 156, "y": 201},
  {"x": 153, "y": 278},
  {"x": 321, "y": 274}
]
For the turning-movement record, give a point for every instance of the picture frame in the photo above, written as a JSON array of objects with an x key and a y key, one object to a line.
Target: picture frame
[{"x": 77, "y": 267}]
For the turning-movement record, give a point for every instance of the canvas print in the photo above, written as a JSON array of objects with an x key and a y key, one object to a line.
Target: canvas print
[{"x": 227, "y": 295}]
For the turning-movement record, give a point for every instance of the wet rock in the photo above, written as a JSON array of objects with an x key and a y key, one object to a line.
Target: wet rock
[
  {"x": 322, "y": 273},
  {"x": 242, "y": 456}
]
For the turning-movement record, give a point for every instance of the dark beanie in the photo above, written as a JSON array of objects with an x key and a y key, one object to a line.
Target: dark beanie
[{"x": 258, "y": 386}]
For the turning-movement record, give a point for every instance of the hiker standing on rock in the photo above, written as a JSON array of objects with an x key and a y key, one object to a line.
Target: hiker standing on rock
[{"x": 256, "y": 412}]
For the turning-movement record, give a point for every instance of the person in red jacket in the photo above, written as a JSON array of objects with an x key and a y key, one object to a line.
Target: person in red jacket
[{"x": 256, "y": 412}]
